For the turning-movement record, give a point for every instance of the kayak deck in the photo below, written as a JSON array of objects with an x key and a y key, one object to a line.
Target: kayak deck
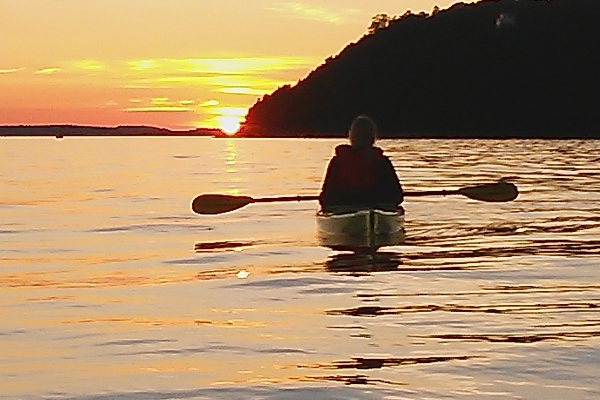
[{"x": 361, "y": 228}]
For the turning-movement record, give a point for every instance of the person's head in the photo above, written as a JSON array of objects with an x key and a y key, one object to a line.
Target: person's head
[{"x": 362, "y": 133}]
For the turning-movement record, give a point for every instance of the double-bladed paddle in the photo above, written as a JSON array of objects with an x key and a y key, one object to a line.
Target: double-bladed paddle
[{"x": 210, "y": 204}]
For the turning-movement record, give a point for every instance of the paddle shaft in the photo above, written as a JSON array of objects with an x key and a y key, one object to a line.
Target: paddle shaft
[
  {"x": 219, "y": 203},
  {"x": 432, "y": 193},
  {"x": 500, "y": 191},
  {"x": 309, "y": 198},
  {"x": 283, "y": 198}
]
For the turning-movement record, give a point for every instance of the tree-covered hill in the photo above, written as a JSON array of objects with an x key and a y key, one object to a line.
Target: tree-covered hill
[{"x": 497, "y": 68}]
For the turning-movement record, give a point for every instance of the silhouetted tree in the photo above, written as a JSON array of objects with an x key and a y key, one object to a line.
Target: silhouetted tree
[{"x": 379, "y": 21}]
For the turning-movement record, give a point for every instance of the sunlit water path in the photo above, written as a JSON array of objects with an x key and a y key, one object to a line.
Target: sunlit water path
[{"x": 110, "y": 287}]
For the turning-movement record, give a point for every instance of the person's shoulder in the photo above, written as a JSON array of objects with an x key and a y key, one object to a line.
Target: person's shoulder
[
  {"x": 343, "y": 149},
  {"x": 381, "y": 158},
  {"x": 378, "y": 152}
]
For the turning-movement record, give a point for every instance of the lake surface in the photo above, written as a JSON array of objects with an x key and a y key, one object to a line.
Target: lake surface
[{"x": 110, "y": 287}]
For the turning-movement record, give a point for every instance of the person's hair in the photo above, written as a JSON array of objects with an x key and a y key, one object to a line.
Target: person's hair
[{"x": 363, "y": 132}]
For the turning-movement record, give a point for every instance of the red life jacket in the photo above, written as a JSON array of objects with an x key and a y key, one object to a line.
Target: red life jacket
[
  {"x": 361, "y": 178},
  {"x": 356, "y": 170}
]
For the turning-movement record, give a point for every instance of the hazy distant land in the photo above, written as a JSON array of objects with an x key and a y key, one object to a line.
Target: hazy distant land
[
  {"x": 78, "y": 130},
  {"x": 493, "y": 69}
]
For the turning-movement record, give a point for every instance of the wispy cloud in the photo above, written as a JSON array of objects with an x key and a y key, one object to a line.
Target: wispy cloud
[
  {"x": 234, "y": 66},
  {"x": 143, "y": 65},
  {"x": 11, "y": 70},
  {"x": 90, "y": 65},
  {"x": 210, "y": 103},
  {"x": 237, "y": 76},
  {"x": 162, "y": 109},
  {"x": 213, "y": 92},
  {"x": 162, "y": 104},
  {"x": 47, "y": 71},
  {"x": 231, "y": 111},
  {"x": 221, "y": 81},
  {"x": 338, "y": 16},
  {"x": 242, "y": 90}
]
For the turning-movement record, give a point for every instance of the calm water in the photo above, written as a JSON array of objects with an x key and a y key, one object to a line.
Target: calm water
[{"x": 111, "y": 288}]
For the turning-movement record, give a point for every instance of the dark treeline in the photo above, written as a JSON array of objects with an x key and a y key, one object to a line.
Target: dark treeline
[
  {"x": 79, "y": 130},
  {"x": 497, "y": 68}
]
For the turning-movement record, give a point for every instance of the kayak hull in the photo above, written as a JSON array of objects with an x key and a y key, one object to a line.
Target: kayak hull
[{"x": 366, "y": 228}]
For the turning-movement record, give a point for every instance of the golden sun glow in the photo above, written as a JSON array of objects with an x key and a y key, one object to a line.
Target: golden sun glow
[
  {"x": 178, "y": 93},
  {"x": 229, "y": 124}
]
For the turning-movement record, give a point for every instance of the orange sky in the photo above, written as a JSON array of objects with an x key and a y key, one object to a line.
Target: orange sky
[{"x": 175, "y": 64}]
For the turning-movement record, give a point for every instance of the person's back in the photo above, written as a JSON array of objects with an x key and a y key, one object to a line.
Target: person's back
[{"x": 360, "y": 175}]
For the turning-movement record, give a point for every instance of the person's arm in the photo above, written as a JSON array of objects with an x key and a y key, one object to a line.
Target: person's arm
[
  {"x": 391, "y": 187},
  {"x": 328, "y": 188}
]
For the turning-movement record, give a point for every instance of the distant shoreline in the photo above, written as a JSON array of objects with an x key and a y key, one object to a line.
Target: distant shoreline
[
  {"x": 64, "y": 131},
  {"x": 61, "y": 131}
]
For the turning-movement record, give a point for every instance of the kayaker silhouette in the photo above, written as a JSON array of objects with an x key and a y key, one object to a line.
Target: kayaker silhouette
[{"x": 360, "y": 175}]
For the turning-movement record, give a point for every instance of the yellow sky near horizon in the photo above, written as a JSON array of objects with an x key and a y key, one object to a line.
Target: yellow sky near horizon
[{"x": 176, "y": 64}]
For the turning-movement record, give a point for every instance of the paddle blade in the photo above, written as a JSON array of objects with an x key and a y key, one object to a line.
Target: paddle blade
[
  {"x": 210, "y": 204},
  {"x": 494, "y": 192}
]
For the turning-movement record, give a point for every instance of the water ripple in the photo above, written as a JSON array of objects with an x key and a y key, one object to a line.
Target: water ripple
[
  {"x": 517, "y": 338},
  {"x": 202, "y": 247},
  {"x": 357, "y": 379},
  {"x": 371, "y": 311},
  {"x": 156, "y": 228},
  {"x": 385, "y": 362}
]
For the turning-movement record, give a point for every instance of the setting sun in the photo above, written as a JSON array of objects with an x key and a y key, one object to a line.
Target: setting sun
[{"x": 229, "y": 124}]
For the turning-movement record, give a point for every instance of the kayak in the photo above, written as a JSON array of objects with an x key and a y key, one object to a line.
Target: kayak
[{"x": 369, "y": 228}]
